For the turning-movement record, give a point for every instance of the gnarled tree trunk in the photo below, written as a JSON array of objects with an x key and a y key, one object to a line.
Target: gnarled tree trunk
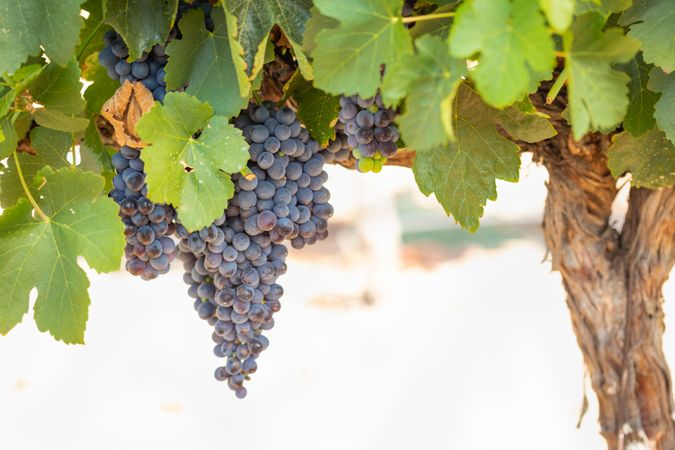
[{"x": 613, "y": 281}]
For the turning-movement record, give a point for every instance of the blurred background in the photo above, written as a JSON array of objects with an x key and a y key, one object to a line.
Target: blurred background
[{"x": 400, "y": 331}]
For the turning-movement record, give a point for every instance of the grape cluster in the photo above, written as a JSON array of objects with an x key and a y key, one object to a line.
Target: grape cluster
[
  {"x": 370, "y": 131},
  {"x": 232, "y": 266},
  {"x": 149, "y": 68},
  {"x": 149, "y": 249}
]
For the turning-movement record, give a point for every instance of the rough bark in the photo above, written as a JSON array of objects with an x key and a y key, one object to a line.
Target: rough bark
[{"x": 613, "y": 281}]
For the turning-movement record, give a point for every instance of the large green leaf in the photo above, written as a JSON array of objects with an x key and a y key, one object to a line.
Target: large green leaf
[
  {"x": 141, "y": 23},
  {"x": 598, "y": 94},
  {"x": 316, "y": 109},
  {"x": 43, "y": 254},
  {"x": 664, "y": 109},
  {"x": 640, "y": 114},
  {"x": 347, "y": 58},
  {"x": 652, "y": 23},
  {"x": 191, "y": 173},
  {"x": 428, "y": 81},
  {"x": 210, "y": 63},
  {"x": 650, "y": 158},
  {"x": 255, "y": 19},
  {"x": 28, "y": 25},
  {"x": 515, "y": 47},
  {"x": 604, "y": 7},
  {"x": 51, "y": 147},
  {"x": 462, "y": 174}
]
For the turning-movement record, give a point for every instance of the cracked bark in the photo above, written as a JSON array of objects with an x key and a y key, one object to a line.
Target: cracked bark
[{"x": 613, "y": 281}]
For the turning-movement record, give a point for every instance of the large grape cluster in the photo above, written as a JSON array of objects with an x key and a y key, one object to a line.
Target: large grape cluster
[
  {"x": 370, "y": 131},
  {"x": 149, "y": 249},
  {"x": 232, "y": 266},
  {"x": 149, "y": 68}
]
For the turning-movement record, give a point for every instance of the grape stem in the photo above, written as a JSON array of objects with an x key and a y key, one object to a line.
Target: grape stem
[
  {"x": 555, "y": 89},
  {"x": 413, "y": 19},
  {"x": 32, "y": 201}
]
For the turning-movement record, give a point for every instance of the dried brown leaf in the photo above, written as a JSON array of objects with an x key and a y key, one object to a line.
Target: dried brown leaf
[{"x": 124, "y": 109}]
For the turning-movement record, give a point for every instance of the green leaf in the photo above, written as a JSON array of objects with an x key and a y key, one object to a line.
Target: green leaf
[
  {"x": 429, "y": 81},
  {"x": 51, "y": 147},
  {"x": 516, "y": 48},
  {"x": 598, "y": 94},
  {"x": 523, "y": 122},
  {"x": 559, "y": 13},
  {"x": 640, "y": 114},
  {"x": 315, "y": 24},
  {"x": 18, "y": 82},
  {"x": 13, "y": 131},
  {"x": 191, "y": 173},
  {"x": 43, "y": 255},
  {"x": 209, "y": 63},
  {"x": 141, "y": 23},
  {"x": 316, "y": 109},
  {"x": 347, "y": 58},
  {"x": 27, "y": 25},
  {"x": 102, "y": 86},
  {"x": 91, "y": 36},
  {"x": 437, "y": 27},
  {"x": 653, "y": 23},
  {"x": 57, "y": 120},
  {"x": 93, "y": 155},
  {"x": 650, "y": 158},
  {"x": 604, "y": 7},
  {"x": 664, "y": 109},
  {"x": 462, "y": 174},
  {"x": 59, "y": 88},
  {"x": 255, "y": 19}
]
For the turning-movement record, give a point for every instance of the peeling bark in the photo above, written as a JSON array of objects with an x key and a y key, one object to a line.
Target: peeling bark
[{"x": 613, "y": 282}]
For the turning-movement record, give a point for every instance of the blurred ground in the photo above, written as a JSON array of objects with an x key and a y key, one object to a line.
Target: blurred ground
[{"x": 445, "y": 341}]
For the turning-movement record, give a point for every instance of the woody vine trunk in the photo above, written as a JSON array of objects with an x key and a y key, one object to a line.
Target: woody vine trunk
[{"x": 613, "y": 280}]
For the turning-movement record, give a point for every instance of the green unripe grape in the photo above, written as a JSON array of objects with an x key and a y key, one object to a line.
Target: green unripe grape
[
  {"x": 357, "y": 153},
  {"x": 365, "y": 164},
  {"x": 377, "y": 166}
]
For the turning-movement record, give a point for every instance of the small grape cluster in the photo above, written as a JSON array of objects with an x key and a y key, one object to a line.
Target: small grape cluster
[
  {"x": 149, "y": 69},
  {"x": 232, "y": 266},
  {"x": 370, "y": 131},
  {"x": 149, "y": 249}
]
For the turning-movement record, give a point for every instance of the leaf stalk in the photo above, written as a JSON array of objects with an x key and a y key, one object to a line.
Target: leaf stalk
[{"x": 31, "y": 199}]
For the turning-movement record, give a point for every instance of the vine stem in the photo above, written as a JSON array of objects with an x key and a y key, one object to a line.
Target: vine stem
[
  {"x": 32, "y": 201},
  {"x": 413, "y": 19},
  {"x": 555, "y": 89}
]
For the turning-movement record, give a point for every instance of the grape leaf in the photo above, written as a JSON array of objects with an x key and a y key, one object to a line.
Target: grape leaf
[
  {"x": 17, "y": 83},
  {"x": 664, "y": 109},
  {"x": 347, "y": 58},
  {"x": 650, "y": 158},
  {"x": 43, "y": 254},
  {"x": 315, "y": 24},
  {"x": 462, "y": 173},
  {"x": 558, "y": 12},
  {"x": 316, "y": 109},
  {"x": 640, "y": 113},
  {"x": 523, "y": 122},
  {"x": 429, "y": 81},
  {"x": 516, "y": 48},
  {"x": 102, "y": 87},
  {"x": 209, "y": 63},
  {"x": 598, "y": 94},
  {"x": 255, "y": 19},
  {"x": 13, "y": 131},
  {"x": 437, "y": 27},
  {"x": 51, "y": 147},
  {"x": 190, "y": 173},
  {"x": 91, "y": 35},
  {"x": 27, "y": 25},
  {"x": 141, "y": 23},
  {"x": 652, "y": 23}
]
